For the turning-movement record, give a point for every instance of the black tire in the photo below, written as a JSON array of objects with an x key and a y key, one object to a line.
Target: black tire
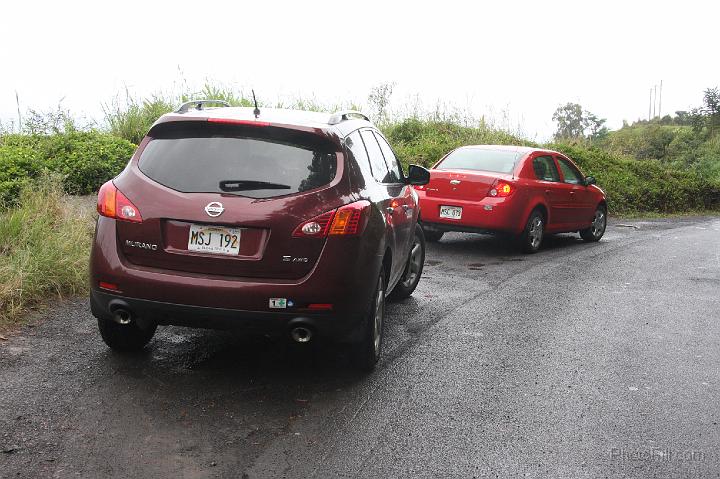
[
  {"x": 367, "y": 352},
  {"x": 413, "y": 268},
  {"x": 597, "y": 229},
  {"x": 531, "y": 238},
  {"x": 432, "y": 236},
  {"x": 125, "y": 337}
]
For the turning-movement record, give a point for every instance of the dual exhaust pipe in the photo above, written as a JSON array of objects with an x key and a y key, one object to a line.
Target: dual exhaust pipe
[{"x": 299, "y": 334}]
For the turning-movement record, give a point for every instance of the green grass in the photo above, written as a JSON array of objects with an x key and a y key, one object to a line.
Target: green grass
[{"x": 44, "y": 248}]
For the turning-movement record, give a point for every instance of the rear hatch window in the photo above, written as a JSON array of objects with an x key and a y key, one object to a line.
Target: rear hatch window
[
  {"x": 255, "y": 162},
  {"x": 497, "y": 161}
]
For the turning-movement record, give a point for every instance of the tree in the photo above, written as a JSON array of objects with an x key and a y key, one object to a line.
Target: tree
[
  {"x": 574, "y": 123},
  {"x": 379, "y": 99},
  {"x": 711, "y": 109}
]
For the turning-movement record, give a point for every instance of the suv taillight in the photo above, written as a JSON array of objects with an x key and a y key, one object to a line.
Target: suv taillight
[
  {"x": 114, "y": 204},
  {"x": 501, "y": 189},
  {"x": 348, "y": 220}
]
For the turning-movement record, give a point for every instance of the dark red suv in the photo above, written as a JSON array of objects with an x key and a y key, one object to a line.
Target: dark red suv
[{"x": 277, "y": 221}]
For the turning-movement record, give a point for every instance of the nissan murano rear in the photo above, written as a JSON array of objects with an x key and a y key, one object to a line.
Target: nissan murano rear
[{"x": 281, "y": 222}]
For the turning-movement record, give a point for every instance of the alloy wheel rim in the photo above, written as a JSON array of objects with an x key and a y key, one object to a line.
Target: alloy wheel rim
[
  {"x": 414, "y": 263},
  {"x": 598, "y": 224},
  {"x": 536, "y": 232},
  {"x": 378, "y": 319}
]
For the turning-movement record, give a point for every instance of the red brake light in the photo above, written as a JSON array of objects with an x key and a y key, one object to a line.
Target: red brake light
[
  {"x": 110, "y": 286},
  {"x": 350, "y": 219},
  {"x": 346, "y": 220},
  {"x": 321, "y": 306},
  {"x": 238, "y": 122},
  {"x": 502, "y": 189},
  {"x": 114, "y": 204},
  {"x": 419, "y": 187}
]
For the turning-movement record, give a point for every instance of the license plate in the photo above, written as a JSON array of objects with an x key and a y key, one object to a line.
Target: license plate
[
  {"x": 214, "y": 239},
  {"x": 452, "y": 212}
]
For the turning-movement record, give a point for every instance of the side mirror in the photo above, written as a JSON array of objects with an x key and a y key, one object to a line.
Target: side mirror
[
  {"x": 589, "y": 180},
  {"x": 417, "y": 175}
]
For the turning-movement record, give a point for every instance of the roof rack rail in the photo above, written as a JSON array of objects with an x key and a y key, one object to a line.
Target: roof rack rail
[
  {"x": 343, "y": 115},
  {"x": 198, "y": 104}
]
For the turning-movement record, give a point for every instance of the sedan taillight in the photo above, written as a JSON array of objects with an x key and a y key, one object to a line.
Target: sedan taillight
[{"x": 501, "y": 189}]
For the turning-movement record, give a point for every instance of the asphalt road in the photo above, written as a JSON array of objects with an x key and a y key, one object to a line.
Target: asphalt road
[{"x": 584, "y": 360}]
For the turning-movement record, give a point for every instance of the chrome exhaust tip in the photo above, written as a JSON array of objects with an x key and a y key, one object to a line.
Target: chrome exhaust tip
[
  {"x": 301, "y": 334},
  {"x": 122, "y": 316}
]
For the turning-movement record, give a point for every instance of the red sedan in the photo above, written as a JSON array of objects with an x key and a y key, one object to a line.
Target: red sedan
[{"x": 522, "y": 191}]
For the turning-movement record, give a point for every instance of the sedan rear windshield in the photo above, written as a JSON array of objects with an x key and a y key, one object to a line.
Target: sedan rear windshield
[
  {"x": 241, "y": 160},
  {"x": 497, "y": 161}
]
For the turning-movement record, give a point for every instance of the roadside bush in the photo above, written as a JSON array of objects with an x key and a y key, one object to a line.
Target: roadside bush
[
  {"x": 424, "y": 142},
  {"x": 17, "y": 165},
  {"x": 644, "y": 186},
  {"x": 43, "y": 246},
  {"x": 86, "y": 159}
]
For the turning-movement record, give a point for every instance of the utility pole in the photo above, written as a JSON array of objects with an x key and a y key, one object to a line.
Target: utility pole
[
  {"x": 654, "y": 101},
  {"x": 17, "y": 101},
  {"x": 660, "y": 101},
  {"x": 650, "y": 105}
]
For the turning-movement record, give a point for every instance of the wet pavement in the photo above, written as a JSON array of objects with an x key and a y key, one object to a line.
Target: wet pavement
[{"x": 584, "y": 360}]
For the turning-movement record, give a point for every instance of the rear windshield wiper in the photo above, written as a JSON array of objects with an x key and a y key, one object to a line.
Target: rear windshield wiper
[{"x": 247, "y": 185}]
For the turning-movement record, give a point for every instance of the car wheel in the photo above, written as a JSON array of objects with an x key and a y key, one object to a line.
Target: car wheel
[
  {"x": 413, "y": 268},
  {"x": 125, "y": 337},
  {"x": 532, "y": 236},
  {"x": 367, "y": 351},
  {"x": 597, "y": 228},
  {"x": 433, "y": 236}
]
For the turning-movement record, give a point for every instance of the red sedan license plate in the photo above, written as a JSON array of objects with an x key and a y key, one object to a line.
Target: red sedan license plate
[{"x": 451, "y": 212}]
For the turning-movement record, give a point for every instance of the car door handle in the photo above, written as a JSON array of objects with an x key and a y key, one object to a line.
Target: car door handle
[
  {"x": 547, "y": 192},
  {"x": 572, "y": 194}
]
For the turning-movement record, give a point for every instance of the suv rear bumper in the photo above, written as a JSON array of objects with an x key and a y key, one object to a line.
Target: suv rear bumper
[
  {"x": 344, "y": 276},
  {"x": 323, "y": 325}
]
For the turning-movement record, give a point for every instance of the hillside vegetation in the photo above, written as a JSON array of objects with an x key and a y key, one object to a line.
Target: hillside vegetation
[
  {"x": 668, "y": 165},
  {"x": 671, "y": 164}
]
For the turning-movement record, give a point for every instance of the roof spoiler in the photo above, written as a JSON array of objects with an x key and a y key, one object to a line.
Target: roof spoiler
[
  {"x": 343, "y": 115},
  {"x": 199, "y": 104}
]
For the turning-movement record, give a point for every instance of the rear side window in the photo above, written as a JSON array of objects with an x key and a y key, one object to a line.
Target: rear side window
[
  {"x": 545, "y": 169},
  {"x": 570, "y": 173},
  {"x": 357, "y": 147},
  {"x": 392, "y": 163},
  {"x": 246, "y": 161},
  {"x": 496, "y": 161},
  {"x": 377, "y": 160}
]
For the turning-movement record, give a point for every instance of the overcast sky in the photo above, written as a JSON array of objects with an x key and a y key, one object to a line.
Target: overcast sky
[{"x": 512, "y": 61}]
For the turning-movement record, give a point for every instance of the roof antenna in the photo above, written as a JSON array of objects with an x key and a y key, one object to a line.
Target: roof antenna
[{"x": 256, "y": 111}]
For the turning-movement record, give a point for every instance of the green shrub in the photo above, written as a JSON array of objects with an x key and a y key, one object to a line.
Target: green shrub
[
  {"x": 18, "y": 164},
  {"x": 85, "y": 159},
  {"x": 644, "y": 186},
  {"x": 424, "y": 142}
]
